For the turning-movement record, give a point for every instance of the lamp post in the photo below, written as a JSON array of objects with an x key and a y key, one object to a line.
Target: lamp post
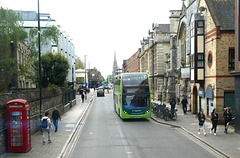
[{"x": 40, "y": 68}]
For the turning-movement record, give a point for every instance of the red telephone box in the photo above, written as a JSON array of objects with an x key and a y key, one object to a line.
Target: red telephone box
[{"x": 18, "y": 123}]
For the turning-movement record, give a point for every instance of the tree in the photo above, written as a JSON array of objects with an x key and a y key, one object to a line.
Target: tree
[
  {"x": 95, "y": 78},
  {"x": 11, "y": 33},
  {"x": 48, "y": 35},
  {"x": 78, "y": 63},
  {"x": 54, "y": 69}
]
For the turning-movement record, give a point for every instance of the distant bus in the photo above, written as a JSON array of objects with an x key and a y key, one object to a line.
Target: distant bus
[{"x": 131, "y": 95}]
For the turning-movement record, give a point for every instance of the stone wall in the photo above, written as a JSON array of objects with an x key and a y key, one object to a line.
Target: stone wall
[{"x": 49, "y": 100}]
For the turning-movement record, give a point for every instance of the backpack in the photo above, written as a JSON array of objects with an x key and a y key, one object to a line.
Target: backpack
[{"x": 45, "y": 123}]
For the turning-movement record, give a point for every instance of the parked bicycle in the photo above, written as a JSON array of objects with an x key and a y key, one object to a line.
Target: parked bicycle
[
  {"x": 160, "y": 112},
  {"x": 168, "y": 114}
]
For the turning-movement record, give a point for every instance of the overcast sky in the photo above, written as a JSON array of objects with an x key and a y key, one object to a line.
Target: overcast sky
[{"x": 101, "y": 27}]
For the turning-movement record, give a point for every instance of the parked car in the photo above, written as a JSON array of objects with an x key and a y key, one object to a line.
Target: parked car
[{"x": 100, "y": 92}]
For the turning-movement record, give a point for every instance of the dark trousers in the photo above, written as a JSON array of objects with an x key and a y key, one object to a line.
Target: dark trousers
[
  {"x": 214, "y": 126},
  {"x": 184, "y": 109}
]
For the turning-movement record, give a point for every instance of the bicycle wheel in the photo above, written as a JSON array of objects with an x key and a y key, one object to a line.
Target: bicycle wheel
[{"x": 174, "y": 116}]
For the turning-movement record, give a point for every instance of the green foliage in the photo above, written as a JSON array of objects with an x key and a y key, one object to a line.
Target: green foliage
[
  {"x": 11, "y": 27},
  {"x": 48, "y": 34},
  {"x": 78, "y": 63},
  {"x": 11, "y": 32},
  {"x": 54, "y": 69},
  {"x": 53, "y": 88}
]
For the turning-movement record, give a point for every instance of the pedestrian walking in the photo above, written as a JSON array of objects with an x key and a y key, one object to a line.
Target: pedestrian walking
[
  {"x": 227, "y": 115},
  {"x": 55, "y": 117},
  {"x": 214, "y": 119},
  {"x": 82, "y": 96},
  {"x": 184, "y": 105},
  {"x": 173, "y": 104},
  {"x": 201, "y": 119},
  {"x": 85, "y": 92},
  {"x": 46, "y": 127}
]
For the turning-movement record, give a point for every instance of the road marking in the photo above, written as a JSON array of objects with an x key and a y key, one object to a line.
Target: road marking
[
  {"x": 124, "y": 141},
  {"x": 205, "y": 146},
  {"x": 68, "y": 130},
  {"x": 70, "y": 125}
]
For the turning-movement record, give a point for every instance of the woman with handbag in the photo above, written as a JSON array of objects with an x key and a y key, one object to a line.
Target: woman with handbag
[
  {"x": 227, "y": 115},
  {"x": 201, "y": 119}
]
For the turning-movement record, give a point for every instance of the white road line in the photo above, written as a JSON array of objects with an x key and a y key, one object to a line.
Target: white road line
[{"x": 124, "y": 141}]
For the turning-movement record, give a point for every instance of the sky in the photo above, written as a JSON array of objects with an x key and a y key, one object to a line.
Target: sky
[{"x": 98, "y": 28}]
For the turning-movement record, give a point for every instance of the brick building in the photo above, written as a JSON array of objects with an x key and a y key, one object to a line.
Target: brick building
[
  {"x": 211, "y": 59},
  {"x": 132, "y": 64},
  {"x": 236, "y": 73}
]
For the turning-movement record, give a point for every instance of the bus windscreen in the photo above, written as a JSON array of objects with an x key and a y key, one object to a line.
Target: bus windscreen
[{"x": 136, "y": 101}]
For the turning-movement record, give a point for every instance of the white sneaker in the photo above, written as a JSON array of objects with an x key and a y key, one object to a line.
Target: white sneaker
[
  {"x": 215, "y": 134},
  {"x": 198, "y": 132},
  {"x": 210, "y": 130},
  {"x": 205, "y": 134}
]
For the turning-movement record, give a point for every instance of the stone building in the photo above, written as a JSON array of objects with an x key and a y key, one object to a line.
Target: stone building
[
  {"x": 183, "y": 85},
  {"x": 171, "y": 60},
  {"x": 81, "y": 76},
  {"x": 236, "y": 72},
  {"x": 211, "y": 56},
  {"x": 23, "y": 57},
  {"x": 21, "y": 54},
  {"x": 152, "y": 56}
]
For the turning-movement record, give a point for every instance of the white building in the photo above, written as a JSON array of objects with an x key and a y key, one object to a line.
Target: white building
[{"x": 65, "y": 45}]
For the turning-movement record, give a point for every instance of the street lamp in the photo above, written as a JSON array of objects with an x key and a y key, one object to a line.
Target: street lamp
[{"x": 40, "y": 68}]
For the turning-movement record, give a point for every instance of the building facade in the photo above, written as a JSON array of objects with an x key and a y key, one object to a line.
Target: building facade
[
  {"x": 236, "y": 72},
  {"x": 23, "y": 57},
  {"x": 171, "y": 60},
  {"x": 132, "y": 63},
  {"x": 65, "y": 45},
  {"x": 152, "y": 57},
  {"x": 211, "y": 48}
]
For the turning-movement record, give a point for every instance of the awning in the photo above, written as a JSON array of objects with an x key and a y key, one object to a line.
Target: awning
[
  {"x": 201, "y": 92},
  {"x": 209, "y": 93}
]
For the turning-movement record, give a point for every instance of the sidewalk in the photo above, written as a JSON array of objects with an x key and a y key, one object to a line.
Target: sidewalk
[
  {"x": 228, "y": 144},
  {"x": 59, "y": 138}
]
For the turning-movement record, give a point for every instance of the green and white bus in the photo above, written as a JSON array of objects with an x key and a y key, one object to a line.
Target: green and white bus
[{"x": 131, "y": 95}]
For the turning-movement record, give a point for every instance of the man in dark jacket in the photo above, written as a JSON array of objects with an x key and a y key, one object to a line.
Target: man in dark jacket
[
  {"x": 55, "y": 117},
  {"x": 184, "y": 105}
]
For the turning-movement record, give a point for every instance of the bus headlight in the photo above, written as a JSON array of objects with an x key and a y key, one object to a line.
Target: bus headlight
[
  {"x": 147, "y": 111},
  {"x": 125, "y": 112}
]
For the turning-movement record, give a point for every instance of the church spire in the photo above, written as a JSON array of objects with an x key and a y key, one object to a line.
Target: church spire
[{"x": 114, "y": 64}]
